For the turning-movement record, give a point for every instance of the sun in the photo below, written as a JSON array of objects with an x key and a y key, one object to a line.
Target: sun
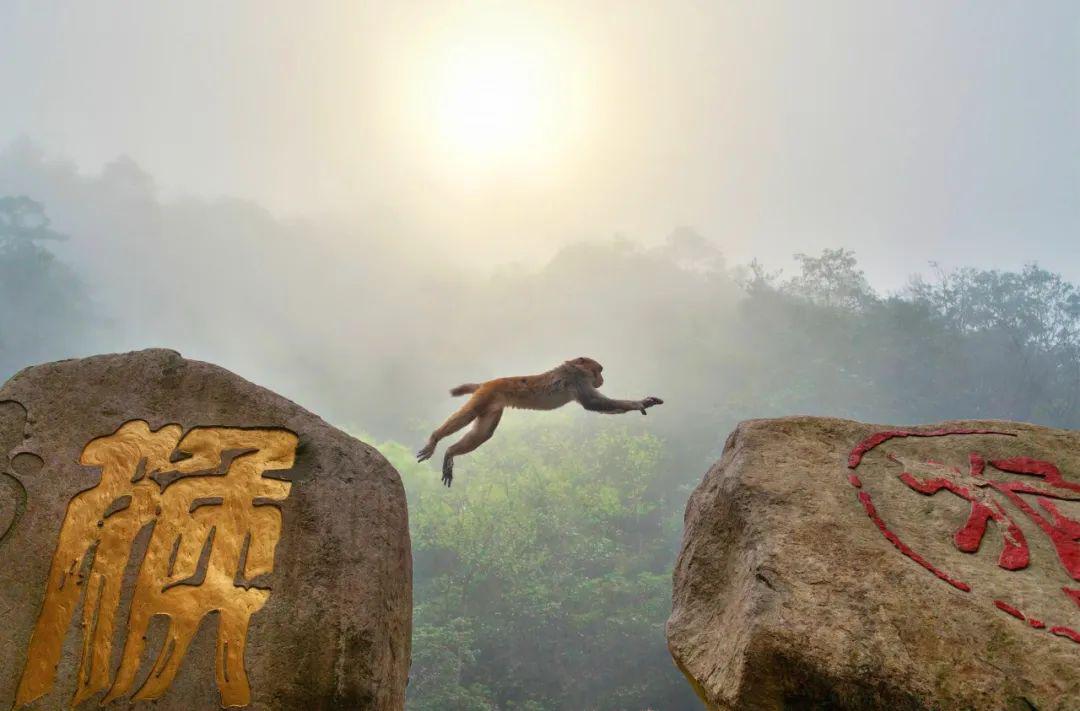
[
  {"x": 498, "y": 98},
  {"x": 495, "y": 102}
]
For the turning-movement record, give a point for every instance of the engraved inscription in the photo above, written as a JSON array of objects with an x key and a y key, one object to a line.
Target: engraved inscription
[
  {"x": 215, "y": 526},
  {"x": 990, "y": 487}
]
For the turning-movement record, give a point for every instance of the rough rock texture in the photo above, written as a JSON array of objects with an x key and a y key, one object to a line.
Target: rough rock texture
[
  {"x": 186, "y": 535},
  {"x": 825, "y": 567}
]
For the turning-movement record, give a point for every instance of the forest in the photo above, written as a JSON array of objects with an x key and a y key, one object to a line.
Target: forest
[{"x": 542, "y": 579}]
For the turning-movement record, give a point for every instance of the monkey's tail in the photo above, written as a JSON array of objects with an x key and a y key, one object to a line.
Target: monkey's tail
[{"x": 464, "y": 389}]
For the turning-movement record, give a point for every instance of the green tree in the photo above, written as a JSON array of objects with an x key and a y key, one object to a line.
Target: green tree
[
  {"x": 542, "y": 578},
  {"x": 832, "y": 279},
  {"x": 44, "y": 304},
  {"x": 1020, "y": 335}
]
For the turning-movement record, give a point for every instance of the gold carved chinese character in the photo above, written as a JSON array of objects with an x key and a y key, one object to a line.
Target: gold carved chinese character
[{"x": 215, "y": 525}]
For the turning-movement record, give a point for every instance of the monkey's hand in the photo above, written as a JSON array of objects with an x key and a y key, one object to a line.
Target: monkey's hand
[
  {"x": 425, "y": 452},
  {"x": 649, "y": 402}
]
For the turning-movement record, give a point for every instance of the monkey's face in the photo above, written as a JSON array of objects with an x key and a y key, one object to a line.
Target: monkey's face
[{"x": 591, "y": 369}]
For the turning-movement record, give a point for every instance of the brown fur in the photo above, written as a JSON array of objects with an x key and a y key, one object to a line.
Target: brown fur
[{"x": 576, "y": 379}]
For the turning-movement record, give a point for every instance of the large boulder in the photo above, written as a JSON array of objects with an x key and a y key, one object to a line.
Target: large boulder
[
  {"x": 175, "y": 537},
  {"x": 834, "y": 564}
]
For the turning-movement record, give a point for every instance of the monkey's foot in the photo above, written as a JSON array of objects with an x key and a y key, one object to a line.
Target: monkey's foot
[
  {"x": 448, "y": 472},
  {"x": 425, "y": 452}
]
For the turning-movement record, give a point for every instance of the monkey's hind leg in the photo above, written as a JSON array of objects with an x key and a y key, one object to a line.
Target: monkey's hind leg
[
  {"x": 481, "y": 432},
  {"x": 453, "y": 423}
]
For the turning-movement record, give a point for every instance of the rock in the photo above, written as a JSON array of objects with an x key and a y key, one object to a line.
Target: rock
[
  {"x": 833, "y": 564},
  {"x": 175, "y": 537}
]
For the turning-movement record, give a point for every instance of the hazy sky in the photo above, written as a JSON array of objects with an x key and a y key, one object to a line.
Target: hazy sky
[{"x": 908, "y": 131}]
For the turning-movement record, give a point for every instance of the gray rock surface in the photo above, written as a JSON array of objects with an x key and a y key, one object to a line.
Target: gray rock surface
[
  {"x": 934, "y": 567},
  {"x": 148, "y": 502}
]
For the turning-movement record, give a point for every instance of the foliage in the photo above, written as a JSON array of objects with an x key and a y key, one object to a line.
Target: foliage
[
  {"x": 542, "y": 576},
  {"x": 970, "y": 344},
  {"x": 23, "y": 223},
  {"x": 1020, "y": 332},
  {"x": 42, "y": 298},
  {"x": 832, "y": 280}
]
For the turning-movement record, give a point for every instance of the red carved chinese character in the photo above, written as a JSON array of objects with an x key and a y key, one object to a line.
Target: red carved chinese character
[
  {"x": 1064, "y": 532},
  {"x": 1040, "y": 479}
]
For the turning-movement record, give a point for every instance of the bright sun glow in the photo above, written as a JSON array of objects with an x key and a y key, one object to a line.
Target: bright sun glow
[
  {"x": 494, "y": 102},
  {"x": 497, "y": 98}
]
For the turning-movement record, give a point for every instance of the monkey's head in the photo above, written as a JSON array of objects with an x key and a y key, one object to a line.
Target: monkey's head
[{"x": 589, "y": 368}]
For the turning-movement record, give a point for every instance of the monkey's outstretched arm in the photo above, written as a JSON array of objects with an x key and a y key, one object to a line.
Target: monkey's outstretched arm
[{"x": 595, "y": 401}]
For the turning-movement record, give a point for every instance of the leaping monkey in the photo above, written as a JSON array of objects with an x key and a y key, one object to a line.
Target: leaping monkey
[{"x": 576, "y": 379}]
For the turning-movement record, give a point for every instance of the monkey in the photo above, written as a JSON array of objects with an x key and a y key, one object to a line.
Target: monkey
[{"x": 576, "y": 379}]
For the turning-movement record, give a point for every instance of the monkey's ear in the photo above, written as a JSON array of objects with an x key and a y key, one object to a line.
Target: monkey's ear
[{"x": 580, "y": 366}]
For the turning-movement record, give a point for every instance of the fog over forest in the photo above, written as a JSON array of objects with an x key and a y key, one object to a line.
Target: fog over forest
[
  {"x": 352, "y": 323},
  {"x": 357, "y": 327}
]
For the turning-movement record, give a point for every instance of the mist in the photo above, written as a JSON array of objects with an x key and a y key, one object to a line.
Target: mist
[
  {"x": 862, "y": 210},
  {"x": 352, "y": 321},
  {"x": 905, "y": 133}
]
